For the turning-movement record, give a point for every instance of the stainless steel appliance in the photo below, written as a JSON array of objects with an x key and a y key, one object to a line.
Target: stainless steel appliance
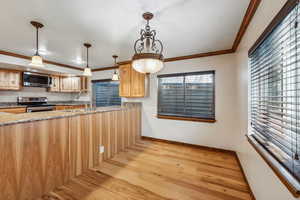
[
  {"x": 36, "y": 104},
  {"x": 36, "y": 80}
]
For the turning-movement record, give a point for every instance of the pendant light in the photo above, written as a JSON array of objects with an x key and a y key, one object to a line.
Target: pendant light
[
  {"x": 115, "y": 76},
  {"x": 87, "y": 70},
  {"x": 148, "y": 56},
  {"x": 37, "y": 60}
]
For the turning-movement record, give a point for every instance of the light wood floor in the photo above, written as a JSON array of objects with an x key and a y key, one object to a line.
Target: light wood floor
[{"x": 155, "y": 171}]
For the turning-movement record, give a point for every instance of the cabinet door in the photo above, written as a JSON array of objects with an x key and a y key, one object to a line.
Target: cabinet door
[
  {"x": 75, "y": 84},
  {"x": 66, "y": 84},
  {"x": 13, "y": 110},
  {"x": 137, "y": 84},
  {"x": 55, "y": 86},
  {"x": 125, "y": 80},
  {"x": 84, "y": 84},
  {"x": 10, "y": 80}
]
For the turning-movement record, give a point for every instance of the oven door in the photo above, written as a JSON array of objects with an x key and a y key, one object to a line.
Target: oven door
[{"x": 36, "y": 80}]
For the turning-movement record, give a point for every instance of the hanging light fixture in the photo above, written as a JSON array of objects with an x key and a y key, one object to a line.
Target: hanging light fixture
[
  {"x": 37, "y": 60},
  {"x": 115, "y": 76},
  {"x": 87, "y": 70},
  {"x": 148, "y": 56}
]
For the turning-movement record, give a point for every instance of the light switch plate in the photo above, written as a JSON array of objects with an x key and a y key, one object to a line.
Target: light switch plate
[{"x": 101, "y": 149}]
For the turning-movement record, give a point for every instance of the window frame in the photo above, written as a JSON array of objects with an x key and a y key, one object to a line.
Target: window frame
[
  {"x": 103, "y": 80},
  {"x": 285, "y": 176},
  {"x": 183, "y": 118}
]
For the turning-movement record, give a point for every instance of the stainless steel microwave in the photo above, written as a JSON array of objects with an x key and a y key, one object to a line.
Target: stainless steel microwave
[{"x": 36, "y": 80}]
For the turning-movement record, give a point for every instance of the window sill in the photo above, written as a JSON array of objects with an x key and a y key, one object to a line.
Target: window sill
[
  {"x": 186, "y": 119},
  {"x": 282, "y": 173}
]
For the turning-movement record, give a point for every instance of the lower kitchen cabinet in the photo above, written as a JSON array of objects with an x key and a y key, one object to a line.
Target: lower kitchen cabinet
[
  {"x": 69, "y": 107},
  {"x": 13, "y": 110}
]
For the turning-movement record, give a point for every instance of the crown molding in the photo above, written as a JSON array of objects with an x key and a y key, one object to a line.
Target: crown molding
[{"x": 251, "y": 10}]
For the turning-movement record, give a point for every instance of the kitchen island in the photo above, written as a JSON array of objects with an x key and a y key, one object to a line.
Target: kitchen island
[{"x": 42, "y": 151}]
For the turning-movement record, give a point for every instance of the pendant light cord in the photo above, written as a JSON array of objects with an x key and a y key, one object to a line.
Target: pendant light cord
[
  {"x": 87, "y": 57},
  {"x": 37, "y": 41}
]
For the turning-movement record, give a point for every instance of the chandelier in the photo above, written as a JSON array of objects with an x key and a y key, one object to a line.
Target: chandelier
[{"x": 148, "y": 56}]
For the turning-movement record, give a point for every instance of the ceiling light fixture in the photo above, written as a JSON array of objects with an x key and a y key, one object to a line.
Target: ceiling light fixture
[
  {"x": 37, "y": 60},
  {"x": 87, "y": 70},
  {"x": 148, "y": 56},
  {"x": 115, "y": 76}
]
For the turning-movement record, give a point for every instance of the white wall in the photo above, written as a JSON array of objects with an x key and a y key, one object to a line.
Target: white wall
[
  {"x": 264, "y": 183},
  {"x": 219, "y": 134}
]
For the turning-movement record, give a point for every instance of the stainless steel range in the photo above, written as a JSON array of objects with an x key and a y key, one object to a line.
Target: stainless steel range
[{"x": 36, "y": 104}]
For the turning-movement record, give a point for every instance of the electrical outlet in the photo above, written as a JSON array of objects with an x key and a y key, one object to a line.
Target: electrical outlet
[{"x": 101, "y": 149}]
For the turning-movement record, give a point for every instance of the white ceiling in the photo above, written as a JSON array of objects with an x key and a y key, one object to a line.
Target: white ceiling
[{"x": 111, "y": 26}]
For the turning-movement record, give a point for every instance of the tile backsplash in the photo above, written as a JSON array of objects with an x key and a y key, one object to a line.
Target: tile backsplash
[{"x": 11, "y": 96}]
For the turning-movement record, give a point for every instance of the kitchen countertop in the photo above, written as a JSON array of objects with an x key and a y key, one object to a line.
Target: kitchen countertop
[
  {"x": 58, "y": 103},
  {"x": 9, "y": 119}
]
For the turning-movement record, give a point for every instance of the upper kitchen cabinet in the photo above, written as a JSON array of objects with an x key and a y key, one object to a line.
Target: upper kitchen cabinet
[
  {"x": 70, "y": 84},
  {"x": 10, "y": 80},
  {"x": 132, "y": 83},
  {"x": 55, "y": 86},
  {"x": 84, "y": 84}
]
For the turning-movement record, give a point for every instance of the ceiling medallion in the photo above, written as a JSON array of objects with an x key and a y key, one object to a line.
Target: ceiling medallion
[
  {"x": 115, "y": 76},
  {"x": 87, "y": 71},
  {"x": 148, "y": 56},
  {"x": 37, "y": 60}
]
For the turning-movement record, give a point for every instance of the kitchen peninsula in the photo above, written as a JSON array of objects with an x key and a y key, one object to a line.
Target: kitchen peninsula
[{"x": 42, "y": 151}]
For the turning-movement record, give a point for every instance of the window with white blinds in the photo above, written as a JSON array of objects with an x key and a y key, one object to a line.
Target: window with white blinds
[
  {"x": 106, "y": 93},
  {"x": 190, "y": 95},
  {"x": 275, "y": 93}
]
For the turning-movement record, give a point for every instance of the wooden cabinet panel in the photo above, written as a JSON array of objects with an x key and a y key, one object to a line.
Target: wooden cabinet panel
[
  {"x": 137, "y": 84},
  {"x": 132, "y": 83},
  {"x": 13, "y": 110},
  {"x": 10, "y": 80},
  {"x": 55, "y": 86},
  {"x": 84, "y": 84},
  {"x": 70, "y": 84},
  {"x": 125, "y": 83},
  {"x": 69, "y": 107}
]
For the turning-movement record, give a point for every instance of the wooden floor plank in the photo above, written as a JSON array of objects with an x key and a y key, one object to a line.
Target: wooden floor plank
[{"x": 160, "y": 171}]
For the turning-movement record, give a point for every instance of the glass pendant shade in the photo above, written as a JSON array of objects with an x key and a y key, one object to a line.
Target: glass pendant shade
[
  {"x": 115, "y": 76},
  {"x": 147, "y": 65},
  {"x": 87, "y": 72},
  {"x": 37, "y": 61}
]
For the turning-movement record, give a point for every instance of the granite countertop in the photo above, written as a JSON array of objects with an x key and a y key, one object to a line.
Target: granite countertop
[
  {"x": 58, "y": 103},
  {"x": 9, "y": 119}
]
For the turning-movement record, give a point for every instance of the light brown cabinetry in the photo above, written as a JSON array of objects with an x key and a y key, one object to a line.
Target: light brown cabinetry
[
  {"x": 10, "y": 80},
  {"x": 69, "y": 107},
  {"x": 55, "y": 86},
  {"x": 132, "y": 83},
  {"x": 84, "y": 84},
  {"x": 70, "y": 84},
  {"x": 13, "y": 110}
]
